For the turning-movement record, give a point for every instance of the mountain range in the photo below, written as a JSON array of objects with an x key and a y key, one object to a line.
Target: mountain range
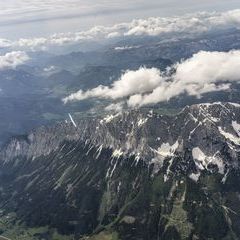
[{"x": 139, "y": 174}]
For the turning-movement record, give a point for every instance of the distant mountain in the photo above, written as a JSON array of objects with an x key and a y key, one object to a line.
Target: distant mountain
[
  {"x": 18, "y": 82},
  {"x": 151, "y": 51},
  {"x": 176, "y": 48},
  {"x": 134, "y": 175},
  {"x": 89, "y": 77}
]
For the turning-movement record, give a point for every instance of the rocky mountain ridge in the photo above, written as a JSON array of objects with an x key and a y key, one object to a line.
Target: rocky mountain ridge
[
  {"x": 93, "y": 175},
  {"x": 145, "y": 134}
]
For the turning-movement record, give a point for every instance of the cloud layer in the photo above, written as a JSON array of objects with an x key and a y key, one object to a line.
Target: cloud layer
[
  {"x": 187, "y": 24},
  {"x": 202, "y": 73},
  {"x": 13, "y": 59}
]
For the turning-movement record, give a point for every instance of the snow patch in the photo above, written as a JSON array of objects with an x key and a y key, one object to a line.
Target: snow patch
[
  {"x": 18, "y": 147},
  {"x": 111, "y": 170},
  {"x": 119, "y": 187},
  {"x": 202, "y": 161},
  {"x": 125, "y": 48},
  {"x": 235, "y": 105},
  {"x": 229, "y": 136},
  {"x": 150, "y": 113},
  {"x": 165, "y": 178},
  {"x": 73, "y": 122},
  {"x": 117, "y": 153},
  {"x": 212, "y": 119},
  {"x": 141, "y": 121},
  {"x": 137, "y": 157},
  {"x": 63, "y": 177},
  {"x": 108, "y": 118},
  {"x": 157, "y": 164},
  {"x": 225, "y": 177},
  {"x": 191, "y": 133},
  {"x": 194, "y": 119},
  {"x": 167, "y": 150},
  {"x": 236, "y": 127},
  {"x": 195, "y": 176},
  {"x": 99, "y": 150}
]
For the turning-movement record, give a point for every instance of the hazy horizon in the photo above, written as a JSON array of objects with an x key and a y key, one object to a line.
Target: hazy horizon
[{"x": 19, "y": 19}]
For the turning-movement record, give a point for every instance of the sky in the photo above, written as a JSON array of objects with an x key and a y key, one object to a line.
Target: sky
[{"x": 37, "y": 18}]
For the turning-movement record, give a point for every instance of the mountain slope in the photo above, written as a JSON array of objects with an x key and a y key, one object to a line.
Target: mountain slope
[{"x": 133, "y": 175}]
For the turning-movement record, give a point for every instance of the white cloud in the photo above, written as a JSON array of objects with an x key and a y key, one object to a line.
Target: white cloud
[
  {"x": 4, "y": 43},
  {"x": 122, "y": 48},
  {"x": 31, "y": 43},
  {"x": 188, "y": 24},
  {"x": 13, "y": 59},
  {"x": 131, "y": 82},
  {"x": 49, "y": 69},
  {"x": 115, "y": 107},
  {"x": 166, "y": 92},
  {"x": 202, "y": 73}
]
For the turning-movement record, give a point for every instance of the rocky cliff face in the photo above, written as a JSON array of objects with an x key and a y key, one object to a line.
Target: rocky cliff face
[{"x": 137, "y": 174}]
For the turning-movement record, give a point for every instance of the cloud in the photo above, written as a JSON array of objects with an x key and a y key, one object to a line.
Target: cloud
[
  {"x": 202, "y": 73},
  {"x": 189, "y": 24},
  {"x": 31, "y": 43},
  {"x": 131, "y": 82},
  {"x": 122, "y": 48},
  {"x": 13, "y": 59},
  {"x": 5, "y": 43},
  {"x": 115, "y": 107},
  {"x": 49, "y": 69}
]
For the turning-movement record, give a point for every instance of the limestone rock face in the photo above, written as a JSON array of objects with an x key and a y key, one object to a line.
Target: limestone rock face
[{"x": 138, "y": 173}]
